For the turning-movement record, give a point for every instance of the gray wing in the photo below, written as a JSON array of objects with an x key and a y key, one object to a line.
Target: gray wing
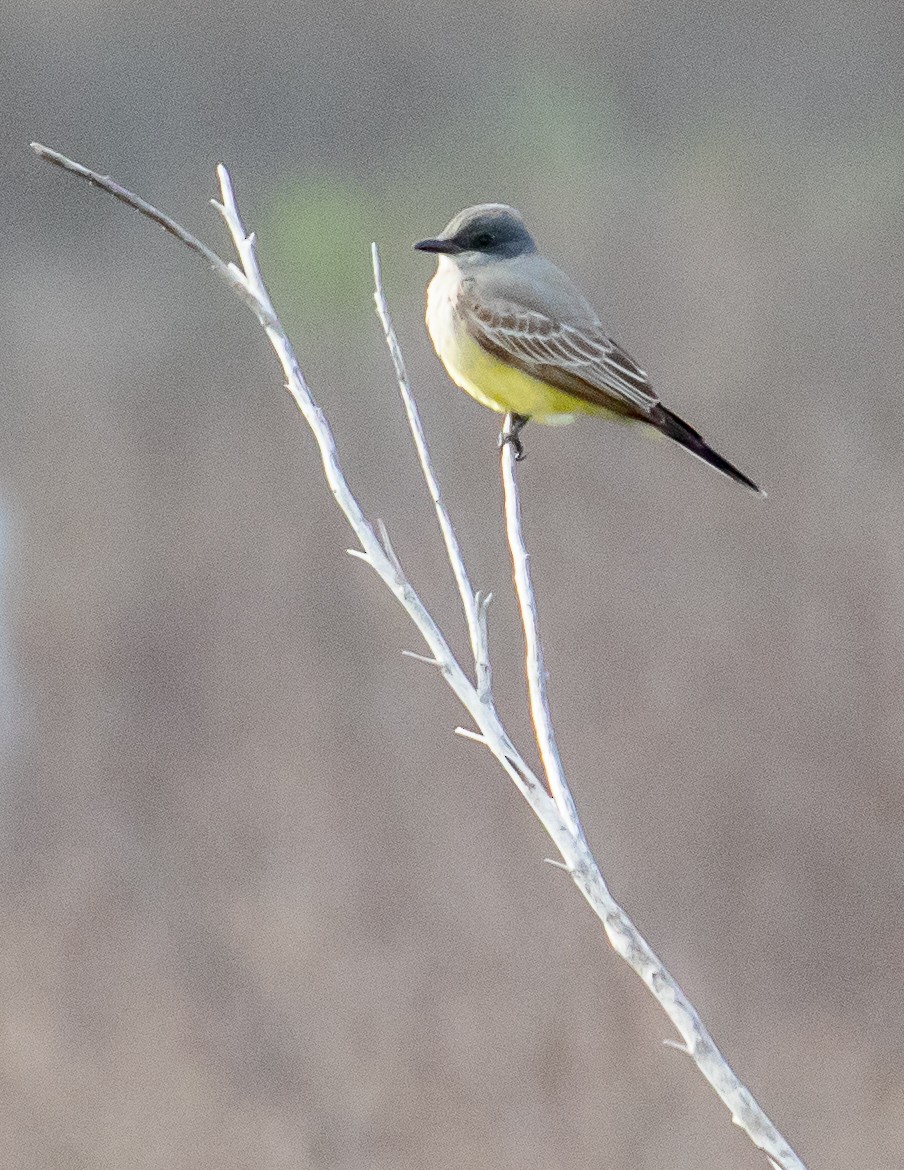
[{"x": 579, "y": 359}]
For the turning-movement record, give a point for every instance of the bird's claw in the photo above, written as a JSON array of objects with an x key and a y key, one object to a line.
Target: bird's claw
[
  {"x": 510, "y": 438},
  {"x": 511, "y": 435}
]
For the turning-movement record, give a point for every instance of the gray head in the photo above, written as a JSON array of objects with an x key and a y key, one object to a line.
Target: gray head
[{"x": 490, "y": 231}]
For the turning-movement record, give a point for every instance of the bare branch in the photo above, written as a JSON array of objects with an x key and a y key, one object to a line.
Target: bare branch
[
  {"x": 228, "y": 272},
  {"x": 536, "y": 672},
  {"x": 466, "y": 733},
  {"x": 477, "y": 629},
  {"x": 113, "y": 188},
  {"x": 557, "y": 816},
  {"x": 420, "y": 657}
]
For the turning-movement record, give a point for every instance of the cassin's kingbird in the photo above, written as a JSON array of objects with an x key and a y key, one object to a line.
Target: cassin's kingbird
[{"x": 514, "y": 332}]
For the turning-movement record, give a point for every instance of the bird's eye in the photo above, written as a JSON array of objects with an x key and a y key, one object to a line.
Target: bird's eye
[{"x": 484, "y": 240}]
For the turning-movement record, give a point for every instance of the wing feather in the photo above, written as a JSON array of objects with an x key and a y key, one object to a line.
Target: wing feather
[{"x": 581, "y": 360}]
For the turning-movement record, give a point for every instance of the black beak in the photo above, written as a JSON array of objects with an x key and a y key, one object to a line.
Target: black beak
[{"x": 444, "y": 247}]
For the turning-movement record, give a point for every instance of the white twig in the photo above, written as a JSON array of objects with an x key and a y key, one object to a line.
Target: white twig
[
  {"x": 420, "y": 657},
  {"x": 475, "y": 617},
  {"x": 467, "y": 733},
  {"x": 533, "y": 653},
  {"x": 564, "y": 830}
]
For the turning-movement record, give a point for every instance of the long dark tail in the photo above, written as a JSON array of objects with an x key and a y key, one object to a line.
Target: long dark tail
[{"x": 676, "y": 428}]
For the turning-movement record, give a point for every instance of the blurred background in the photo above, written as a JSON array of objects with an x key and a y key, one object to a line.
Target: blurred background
[{"x": 261, "y": 908}]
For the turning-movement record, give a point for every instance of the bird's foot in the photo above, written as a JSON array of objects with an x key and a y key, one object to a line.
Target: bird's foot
[
  {"x": 511, "y": 434},
  {"x": 506, "y": 440}
]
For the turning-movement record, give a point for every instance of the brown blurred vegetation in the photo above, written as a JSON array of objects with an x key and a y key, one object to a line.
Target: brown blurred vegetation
[{"x": 261, "y": 909}]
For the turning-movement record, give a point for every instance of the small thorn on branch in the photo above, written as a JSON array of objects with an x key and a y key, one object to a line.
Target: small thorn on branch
[
  {"x": 387, "y": 547},
  {"x": 421, "y": 658},
  {"x": 359, "y": 554},
  {"x": 466, "y": 733},
  {"x": 556, "y": 864}
]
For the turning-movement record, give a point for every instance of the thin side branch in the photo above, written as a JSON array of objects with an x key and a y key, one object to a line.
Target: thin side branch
[
  {"x": 131, "y": 200},
  {"x": 534, "y": 668},
  {"x": 228, "y": 272},
  {"x": 564, "y": 830},
  {"x": 474, "y": 615}
]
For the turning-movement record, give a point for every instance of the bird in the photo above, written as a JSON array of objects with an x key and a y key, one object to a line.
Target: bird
[{"x": 519, "y": 336}]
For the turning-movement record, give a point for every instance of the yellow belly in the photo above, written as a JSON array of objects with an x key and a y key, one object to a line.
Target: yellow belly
[{"x": 501, "y": 387}]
